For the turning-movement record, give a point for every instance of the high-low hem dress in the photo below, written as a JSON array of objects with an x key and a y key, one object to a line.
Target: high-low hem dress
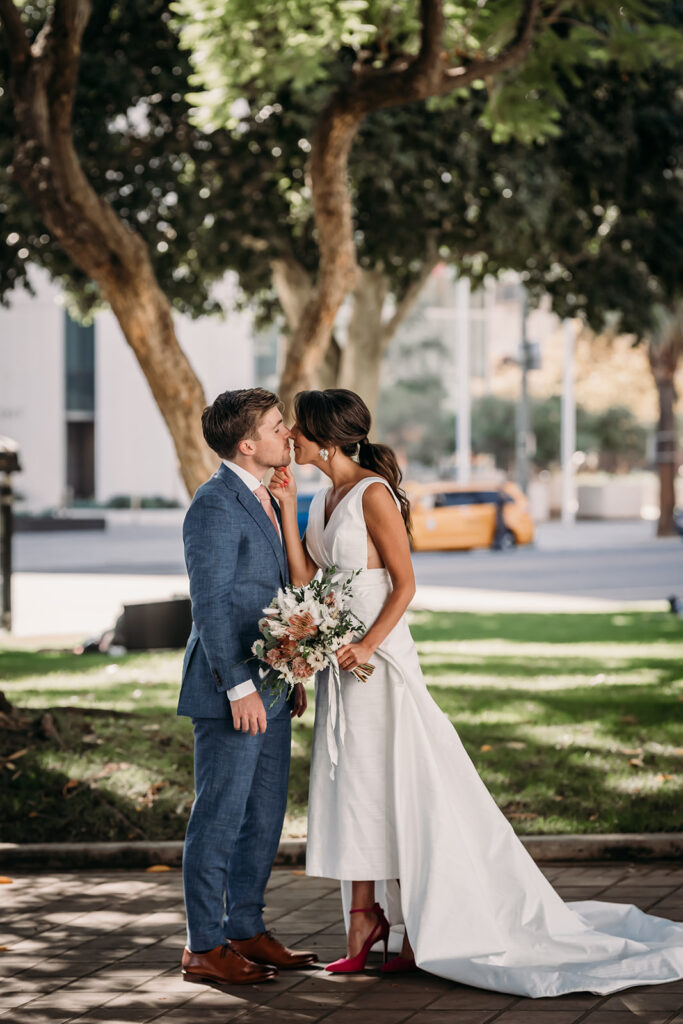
[{"x": 404, "y": 802}]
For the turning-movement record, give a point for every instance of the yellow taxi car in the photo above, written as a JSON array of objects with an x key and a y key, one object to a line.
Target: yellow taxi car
[{"x": 448, "y": 516}]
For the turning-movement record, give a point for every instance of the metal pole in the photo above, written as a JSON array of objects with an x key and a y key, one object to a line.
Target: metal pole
[
  {"x": 463, "y": 414},
  {"x": 522, "y": 425},
  {"x": 568, "y": 427},
  {"x": 6, "y": 552}
]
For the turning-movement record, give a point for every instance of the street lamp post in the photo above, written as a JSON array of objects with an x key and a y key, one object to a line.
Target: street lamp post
[
  {"x": 463, "y": 457},
  {"x": 522, "y": 410},
  {"x": 458, "y": 322},
  {"x": 568, "y": 427}
]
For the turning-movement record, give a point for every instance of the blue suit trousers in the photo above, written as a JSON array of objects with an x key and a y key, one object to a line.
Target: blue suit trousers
[{"x": 234, "y": 828}]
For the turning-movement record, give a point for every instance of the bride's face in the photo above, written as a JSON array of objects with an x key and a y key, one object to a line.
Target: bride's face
[{"x": 305, "y": 451}]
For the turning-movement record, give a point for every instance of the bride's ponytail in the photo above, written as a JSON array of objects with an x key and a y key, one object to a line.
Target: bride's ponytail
[
  {"x": 380, "y": 458},
  {"x": 341, "y": 417}
]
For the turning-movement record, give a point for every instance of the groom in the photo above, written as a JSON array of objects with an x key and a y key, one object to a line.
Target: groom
[{"x": 236, "y": 563}]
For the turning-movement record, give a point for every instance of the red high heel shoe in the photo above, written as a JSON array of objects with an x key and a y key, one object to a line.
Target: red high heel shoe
[
  {"x": 399, "y": 965},
  {"x": 348, "y": 964}
]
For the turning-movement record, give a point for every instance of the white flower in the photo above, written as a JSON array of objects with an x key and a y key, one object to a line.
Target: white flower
[
  {"x": 311, "y": 607},
  {"x": 316, "y": 659},
  {"x": 286, "y": 601},
  {"x": 277, "y": 627}
]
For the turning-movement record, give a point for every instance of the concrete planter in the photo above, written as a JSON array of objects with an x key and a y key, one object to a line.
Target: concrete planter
[
  {"x": 615, "y": 499},
  {"x": 292, "y": 852}
]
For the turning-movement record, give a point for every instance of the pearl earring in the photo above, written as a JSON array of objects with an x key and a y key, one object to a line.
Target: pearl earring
[{"x": 324, "y": 454}]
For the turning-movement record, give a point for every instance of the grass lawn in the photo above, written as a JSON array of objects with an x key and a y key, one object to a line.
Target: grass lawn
[{"x": 573, "y": 721}]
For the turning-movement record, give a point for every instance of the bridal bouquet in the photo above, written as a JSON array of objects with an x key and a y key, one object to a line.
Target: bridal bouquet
[{"x": 303, "y": 627}]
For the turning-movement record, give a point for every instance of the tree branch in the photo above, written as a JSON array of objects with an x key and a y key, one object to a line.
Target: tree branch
[
  {"x": 553, "y": 15},
  {"x": 66, "y": 35},
  {"x": 515, "y": 51},
  {"x": 427, "y": 65},
  {"x": 426, "y": 75},
  {"x": 19, "y": 49},
  {"x": 293, "y": 286}
]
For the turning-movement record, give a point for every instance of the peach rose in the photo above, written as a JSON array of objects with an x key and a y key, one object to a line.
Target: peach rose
[
  {"x": 301, "y": 669},
  {"x": 274, "y": 655}
]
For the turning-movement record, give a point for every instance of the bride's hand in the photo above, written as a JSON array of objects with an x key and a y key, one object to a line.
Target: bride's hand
[
  {"x": 350, "y": 656},
  {"x": 283, "y": 485}
]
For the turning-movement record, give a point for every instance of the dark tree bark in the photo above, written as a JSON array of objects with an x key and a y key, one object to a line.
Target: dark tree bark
[
  {"x": 43, "y": 81},
  {"x": 357, "y": 365},
  {"x": 664, "y": 352},
  {"x": 371, "y": 89},
  {"x": 370, "y": 332}
]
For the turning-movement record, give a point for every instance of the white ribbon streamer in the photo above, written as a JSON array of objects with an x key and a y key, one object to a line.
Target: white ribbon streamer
[{"x": 336, "y": 709}]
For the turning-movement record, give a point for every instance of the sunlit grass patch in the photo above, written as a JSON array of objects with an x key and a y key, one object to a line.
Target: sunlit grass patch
[
  {"x": 130, "y": 683},
  {"x": 573, "y": 721}
]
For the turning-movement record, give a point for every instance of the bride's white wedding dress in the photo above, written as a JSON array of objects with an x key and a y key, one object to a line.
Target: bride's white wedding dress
[{"x": 394, "y": 795}]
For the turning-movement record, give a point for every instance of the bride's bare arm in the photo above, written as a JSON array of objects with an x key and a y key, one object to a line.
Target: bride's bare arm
[
  {"x": 302, "y": 568},
  {"x": 388, "y": 533}
]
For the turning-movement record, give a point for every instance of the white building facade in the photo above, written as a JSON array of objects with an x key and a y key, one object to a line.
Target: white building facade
[{"x": 77, "y": 403}]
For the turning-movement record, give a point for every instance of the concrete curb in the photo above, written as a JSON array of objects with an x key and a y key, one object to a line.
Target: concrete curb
[{"x": 292, "y": 852}]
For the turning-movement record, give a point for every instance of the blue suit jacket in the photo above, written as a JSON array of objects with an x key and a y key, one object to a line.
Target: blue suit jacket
[{"x": 236, "y": 563}]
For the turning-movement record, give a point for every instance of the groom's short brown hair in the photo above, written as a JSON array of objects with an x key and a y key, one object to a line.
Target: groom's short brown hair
[{"x": 233, "y": 416}]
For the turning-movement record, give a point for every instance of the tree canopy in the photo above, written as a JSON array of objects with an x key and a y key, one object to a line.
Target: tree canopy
[
  {"x": 140, "y": 151},
  {"x": 554, "y": 152},
  {"x": 521, "y": 54}
]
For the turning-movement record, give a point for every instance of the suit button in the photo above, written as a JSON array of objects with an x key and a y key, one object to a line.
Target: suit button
[{"x": 216, "y": 676}]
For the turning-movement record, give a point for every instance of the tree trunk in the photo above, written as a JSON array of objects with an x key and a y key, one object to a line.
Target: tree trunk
[
  {"x": 358, "y": 364},
  {"x": 365, "y": 342},
  {"x": 43, "y": 83},
  {"x": 327, "y": 374},
  {"x": 337, "y": 268},
  {"x": 294, "y": 287},
  {"x": 370, "y": 335},
  {"x": 664, "y": 352},
  {"x": 666, "y": 458},
  {"x": 144, "y": 315}
]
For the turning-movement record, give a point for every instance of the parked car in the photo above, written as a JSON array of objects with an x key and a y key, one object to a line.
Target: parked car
[{"x": 448, "y": 516}]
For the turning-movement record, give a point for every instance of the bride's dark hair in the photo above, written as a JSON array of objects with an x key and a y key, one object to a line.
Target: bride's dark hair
[{"x": 341, "y": 417}]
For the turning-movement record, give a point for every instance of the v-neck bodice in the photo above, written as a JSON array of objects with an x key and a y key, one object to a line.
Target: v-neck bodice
[
  {"x": 326, "y": 518},
  {"x": 343, "y": 539}
]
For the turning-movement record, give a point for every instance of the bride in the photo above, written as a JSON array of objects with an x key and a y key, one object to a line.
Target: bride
[{"x": 397, "y": 810}]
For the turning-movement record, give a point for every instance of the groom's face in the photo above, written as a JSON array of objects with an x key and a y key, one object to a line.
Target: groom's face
[{"x": 271, "y": 446}]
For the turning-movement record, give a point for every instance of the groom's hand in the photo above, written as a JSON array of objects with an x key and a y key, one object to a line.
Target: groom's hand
[{"x": 249, "y": 714}]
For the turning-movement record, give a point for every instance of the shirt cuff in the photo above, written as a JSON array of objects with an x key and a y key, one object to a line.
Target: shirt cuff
[{"x": 241, "y": 690}]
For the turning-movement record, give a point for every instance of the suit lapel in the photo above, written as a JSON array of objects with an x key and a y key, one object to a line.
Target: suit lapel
[{"x": 252, "y": 505}]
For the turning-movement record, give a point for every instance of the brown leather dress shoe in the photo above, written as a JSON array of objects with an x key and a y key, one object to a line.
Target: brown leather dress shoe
[
  {"x": 223, "y": 966},
  {"x": 264, "y": 948}
]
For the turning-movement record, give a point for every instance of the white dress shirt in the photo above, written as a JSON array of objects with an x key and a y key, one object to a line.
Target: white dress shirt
[{"x": 247, "y": 687}]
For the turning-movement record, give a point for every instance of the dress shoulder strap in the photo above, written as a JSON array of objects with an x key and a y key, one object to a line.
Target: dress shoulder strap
[{"x": 363, "y": 485}]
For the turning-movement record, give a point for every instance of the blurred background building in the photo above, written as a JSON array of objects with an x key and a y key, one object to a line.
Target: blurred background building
[{"x": 75, "y": 399}]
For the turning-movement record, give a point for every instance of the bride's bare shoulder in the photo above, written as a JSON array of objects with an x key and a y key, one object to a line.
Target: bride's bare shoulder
[{"x": 378, "y": 499}]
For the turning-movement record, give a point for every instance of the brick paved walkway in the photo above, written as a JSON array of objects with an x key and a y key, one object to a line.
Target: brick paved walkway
[{"x": 105, "y": 946}]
